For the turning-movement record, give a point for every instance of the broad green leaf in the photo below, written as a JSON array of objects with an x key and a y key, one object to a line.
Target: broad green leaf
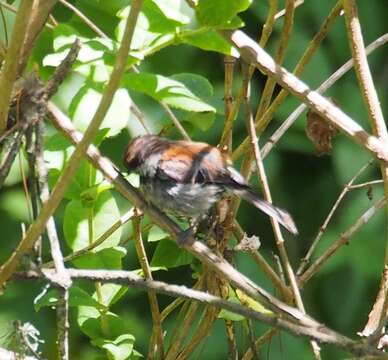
[
  {"x": 156, "y": 234},
  {"x": 210, "y": 40},
  {"x": 111, "y": 293},
  {"x": 155, "y": 19},
  {"x": 172, "y": 92},
  {"x": 77, "y": 297},
  {"x": 80, "y": 183},
  {"x": 104, "y": 213},
  {"x": 118, "y": 349},
  {"x": 199, "y": 85},
  {"x": 176, "y": 10},
  {"x": 90, "y": 321},
  {"x": 109, "y": 258},
  {"x": 203, "y": 121},
  {"x": 168, "y": 254},
  {"x": 85, "y": 103},
  {"x": 218, "y": 13}
]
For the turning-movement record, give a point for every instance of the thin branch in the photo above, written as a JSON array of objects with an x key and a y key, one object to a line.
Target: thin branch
[
  {"x": 252, "y": 53},
  {"x": 37, "y": 19},
  {"x": 81, "y": 252},
  {"x": 376, "y": 118},
  {"x": 313, "y": 46},
  {"x": 127, "y": 278},
  {"x": 226, "y": 137},
  {"x": 175, "y": 121},
  {"x": 282, "y": 12},
  {"x": 156, "y": 344},
  {"x": 343, "y": 240},
  {"x": 366, "y": 184},
  {"x": 306, "y": 259},
  {"x": 62, "y": 278},
  {"x": 268, "y": 197},
  {"x": 84, "y": 18},
  {"x": 9, "y": 70},
  {"x": 50, "y": 206},
  {"x": 321, "y": 89}
]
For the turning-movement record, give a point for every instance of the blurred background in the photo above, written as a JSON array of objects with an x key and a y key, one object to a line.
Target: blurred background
[{"x": 342, "y": 293}]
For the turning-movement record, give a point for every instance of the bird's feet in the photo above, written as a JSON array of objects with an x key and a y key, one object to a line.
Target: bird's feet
[{"x": 186, "y": 237}]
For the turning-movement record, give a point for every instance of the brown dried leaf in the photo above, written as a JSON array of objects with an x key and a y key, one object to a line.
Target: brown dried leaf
[{"x": 320, "y": 132}]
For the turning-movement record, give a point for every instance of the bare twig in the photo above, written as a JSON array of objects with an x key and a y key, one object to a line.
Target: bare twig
[
  {"x": 37, "y": 19},
  {"x": 156, "y": 344},
  {"x": 344, "y": 239},
  {"x": 313, "y": 46},
  {"x": 282, "y": 12},
  {"x": 366, "y": 184},
  {"x": 376, "y": 118},
  {"x": 84, "y": 18},
  {"x": 175, "y": 120},
  {"x": 268, "y": 197},
  {"x": 349, "y": 185},
  {"x": 62, "y": 278},
  {"x": 320, "y": 333},
  {"x": 321, "y": 89},
  {"x": 254, "y": 54},
  {"x": 9, "y": 70},
  {"x": 50, "y": 206}
]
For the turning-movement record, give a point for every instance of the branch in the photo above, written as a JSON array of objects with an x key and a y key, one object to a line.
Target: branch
[
  {"x": 344, "y": 239},
  {"x": 321, "y": 334},
  {"x": 376, "y": 119},
  {"x": 321, "y": 89},
  {"x": 9, "y": 70},
  {"x": 252, "y": 53}
]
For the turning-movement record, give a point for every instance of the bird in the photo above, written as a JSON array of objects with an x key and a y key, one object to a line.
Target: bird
[{"x": 186, "y": 178}]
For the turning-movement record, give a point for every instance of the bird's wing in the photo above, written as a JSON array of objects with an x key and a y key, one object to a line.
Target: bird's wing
[{"x": 192, "y": 163}]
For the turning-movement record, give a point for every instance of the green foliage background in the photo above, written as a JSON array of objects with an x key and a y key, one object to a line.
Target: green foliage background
[{"x": 340, "y": 295}]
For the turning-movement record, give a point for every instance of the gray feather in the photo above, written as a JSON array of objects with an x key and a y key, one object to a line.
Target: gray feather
[{"x": 281, "y": 216}]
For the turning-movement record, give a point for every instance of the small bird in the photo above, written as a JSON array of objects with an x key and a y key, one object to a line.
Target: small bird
[{"x": 187, "y": 178}]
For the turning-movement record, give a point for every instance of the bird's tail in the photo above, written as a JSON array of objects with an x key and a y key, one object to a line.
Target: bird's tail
[{"x": 281, "y": 216}]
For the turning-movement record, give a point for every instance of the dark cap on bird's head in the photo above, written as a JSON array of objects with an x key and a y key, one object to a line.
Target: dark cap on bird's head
[{"x": 140, "y": 148}]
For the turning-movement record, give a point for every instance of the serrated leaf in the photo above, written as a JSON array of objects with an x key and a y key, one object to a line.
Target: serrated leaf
[
  {"x": 168, "y": 254},
  {"x": 218, "y": 13},
  {"x": 75, "y": 225},
  {"x": 172, "y": 92}
]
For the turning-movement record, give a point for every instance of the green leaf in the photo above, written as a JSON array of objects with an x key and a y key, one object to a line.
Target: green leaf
[
  {"x": 169, "y": 254},
  {"x": 77, "y": 297},
  {"x": 75, "y": 225},
  {"x": 198, "y": 85},
  {"x": 218, "y": 13},
  {"x": 111, "y": 293},
  {"x": 156, "y": 234},
  {"x": 210, "y": 40},
  {"x": 203, "y": 121},
  {"x": 155, "y": 20},
  {"x": 110, "y": 258},
  {"x": 172, "y": 92},
  {"x": 95, "y": 325},
  {"x": 86, "y": 101},
  {"x": 118, "y": 349}
]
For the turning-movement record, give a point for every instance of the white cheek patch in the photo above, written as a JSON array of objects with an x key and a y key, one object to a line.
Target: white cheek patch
[{"x": 150, "y": 166}]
